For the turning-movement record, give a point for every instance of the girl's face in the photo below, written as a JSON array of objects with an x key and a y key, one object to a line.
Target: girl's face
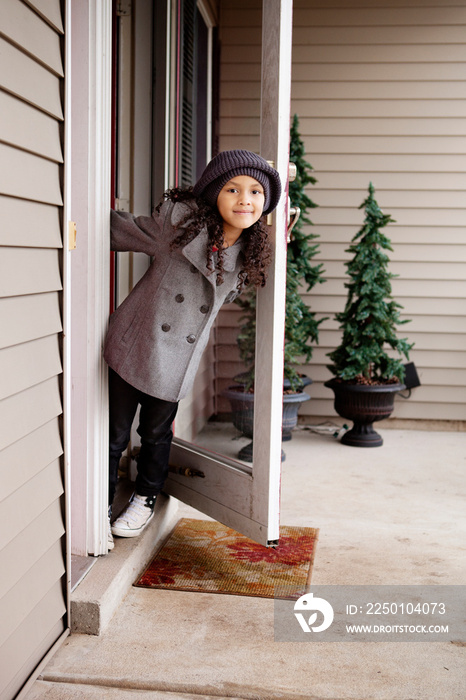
[{"x": 240, "y": 203}]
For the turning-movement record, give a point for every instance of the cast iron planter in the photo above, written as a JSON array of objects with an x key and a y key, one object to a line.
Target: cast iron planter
[
  {"x": 292, "y": 404},
  {"x": 364, "y": 405},
  {"x": 242, "y": 407}
]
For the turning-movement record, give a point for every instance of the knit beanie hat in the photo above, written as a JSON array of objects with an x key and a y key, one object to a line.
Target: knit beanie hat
[{"x": 226, "y": 165}]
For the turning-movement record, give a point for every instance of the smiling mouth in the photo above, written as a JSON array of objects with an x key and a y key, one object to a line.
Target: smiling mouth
[{"x": 242, "y": 212}]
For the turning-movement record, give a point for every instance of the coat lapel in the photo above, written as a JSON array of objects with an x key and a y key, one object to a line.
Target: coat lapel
[{"x": 195, "y": 252}]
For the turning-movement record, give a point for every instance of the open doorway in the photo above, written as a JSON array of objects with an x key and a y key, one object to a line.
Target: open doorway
[{"x": 165, "y": 79}]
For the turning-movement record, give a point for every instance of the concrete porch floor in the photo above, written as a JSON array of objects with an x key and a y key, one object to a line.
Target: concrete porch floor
[{"x": 388, "y": 515}]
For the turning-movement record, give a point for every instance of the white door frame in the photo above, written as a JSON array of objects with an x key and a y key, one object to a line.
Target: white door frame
[
  {"x": 88, "y": 284},
  {"x": 88, "y": 175}
]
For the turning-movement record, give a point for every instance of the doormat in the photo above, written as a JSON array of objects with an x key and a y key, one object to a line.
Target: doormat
[{"x": 206, "y": 556}]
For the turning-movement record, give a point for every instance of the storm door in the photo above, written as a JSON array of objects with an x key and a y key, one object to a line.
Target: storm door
[{"x": 245, "y": 497}]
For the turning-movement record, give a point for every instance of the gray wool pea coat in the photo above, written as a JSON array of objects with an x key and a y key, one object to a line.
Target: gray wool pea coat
[{"x": 157, "y": 336}]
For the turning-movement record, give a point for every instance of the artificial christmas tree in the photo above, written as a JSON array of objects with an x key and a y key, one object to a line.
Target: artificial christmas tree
[
  {"x": 301, "y": 324},
  {"x": 367, "y": 376}
]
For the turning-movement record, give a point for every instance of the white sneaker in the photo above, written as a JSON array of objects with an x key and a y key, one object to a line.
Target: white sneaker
[
  {"x": 110, "y": 542},
  {"x": 136, "y": 516}
]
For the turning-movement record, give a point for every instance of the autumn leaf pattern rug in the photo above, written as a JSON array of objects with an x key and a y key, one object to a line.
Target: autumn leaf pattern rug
[{"x": 206, "y": 556}]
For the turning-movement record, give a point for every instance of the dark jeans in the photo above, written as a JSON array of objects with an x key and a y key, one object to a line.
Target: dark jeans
[{"x": 155, "y": 428}]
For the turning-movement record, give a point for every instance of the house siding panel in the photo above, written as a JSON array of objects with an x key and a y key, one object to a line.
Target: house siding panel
[
  {"x": 379, "y": 88},
  {"x": 16, "y": 469},
  {"x": 28, "y": 364},
  {"x": 28, "y": 176},
  {"x": 27, "y": 128},
  {"x": 33, "y": 542},
  {"x": 33, "y": 582},
  {"x": 24, "y": 223},
  {"x": 29, "y": 271},
  {"x": 25, "y": 648},
  {"x": 27, "y": 30},
  {"x": 27, "y": 317},
  {"x": 29, "y": 80},
  {"x": 49, "y": 10},
  {"x": 19, "y": 602}
]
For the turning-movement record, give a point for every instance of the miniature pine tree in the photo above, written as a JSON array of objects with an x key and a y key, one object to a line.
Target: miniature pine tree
[
  {"x": 301, "y": 325},
  {"x": 371, "y": 315},
  {"x": 300, "y": 248}
]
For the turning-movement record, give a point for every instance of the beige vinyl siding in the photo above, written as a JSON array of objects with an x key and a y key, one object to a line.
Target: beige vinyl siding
[
  {"x": 32, "y": 561},
  {"x": 380, "y": 90},
  {"x": 30, "y": 81}
]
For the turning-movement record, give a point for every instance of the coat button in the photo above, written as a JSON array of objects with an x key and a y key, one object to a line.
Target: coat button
[
  {"x": 204, "y": 309},
  {"x": 193, "y": 268},
  {"x": 191, "y": 338},
  {"x": 166, "y": 327},
  {"x": 179, "y": 298}
]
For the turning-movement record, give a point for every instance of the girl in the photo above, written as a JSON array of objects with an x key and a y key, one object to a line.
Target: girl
[{"x": 207, "y": 243}]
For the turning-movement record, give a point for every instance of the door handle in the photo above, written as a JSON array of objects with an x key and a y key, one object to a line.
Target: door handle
[{"x": 295, "y": 213}]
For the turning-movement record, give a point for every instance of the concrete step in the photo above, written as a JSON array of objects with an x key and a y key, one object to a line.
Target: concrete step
[{"x": 97, "y": 597}]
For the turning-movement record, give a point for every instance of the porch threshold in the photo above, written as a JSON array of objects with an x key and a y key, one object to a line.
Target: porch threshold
[{"x": 97, "y": 597}]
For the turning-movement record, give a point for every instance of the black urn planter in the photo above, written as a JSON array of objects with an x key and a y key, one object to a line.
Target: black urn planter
[
  {"x": 242, "y": 408},
  {"x": 364, "y": 405}
]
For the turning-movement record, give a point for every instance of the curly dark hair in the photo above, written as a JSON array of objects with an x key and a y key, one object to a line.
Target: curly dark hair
[{"x": 257, "y": 251}]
